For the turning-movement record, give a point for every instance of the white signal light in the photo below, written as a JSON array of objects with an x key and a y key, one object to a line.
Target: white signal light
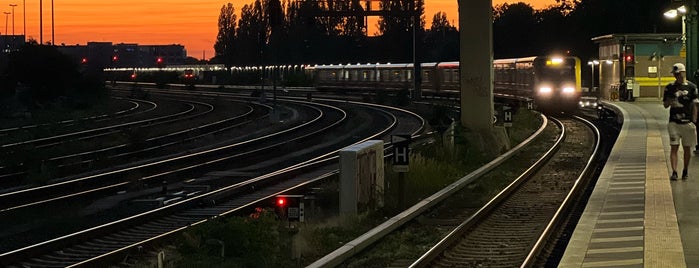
[
  {"x": 545, "y": 90},
  {"x": 568, "y": 90}
]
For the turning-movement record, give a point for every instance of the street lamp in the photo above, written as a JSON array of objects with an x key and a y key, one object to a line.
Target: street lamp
[
  {"x": 53, "y": 35},
  {"x": 592, "y": 64},
  {"x": 600, "y": 73},
  {"x": 41, "y": 22},
  {"x": 13, "y": 18},
  {"x": 680, "y": 11},
  {"x": 6, "y": 16}
]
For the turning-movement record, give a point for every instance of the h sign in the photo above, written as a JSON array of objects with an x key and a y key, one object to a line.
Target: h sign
[
  {"x": 507, "y": 115},
  {"x": 401, "y": 152}
]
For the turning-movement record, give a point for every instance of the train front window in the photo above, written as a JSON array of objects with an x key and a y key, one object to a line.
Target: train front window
[{"x": 556, "y": 73}]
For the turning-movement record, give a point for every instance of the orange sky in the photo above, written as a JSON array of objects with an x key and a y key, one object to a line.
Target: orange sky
[{"x": 191, "y": 23}]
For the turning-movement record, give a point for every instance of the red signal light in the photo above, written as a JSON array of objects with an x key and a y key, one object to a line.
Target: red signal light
[
  {"x": 281, "y": 201},
  {"x": 115, "y": 58},
  {"x": 159, "y": 60},
  {"x": 629, "y": 58},
  {"x": 83, "y": 61},
  {"x": 133, "y": 76}
]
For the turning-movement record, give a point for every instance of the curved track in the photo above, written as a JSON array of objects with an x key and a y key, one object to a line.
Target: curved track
[
  {"x": 506, "y": 231},
  {"x": 129, "y": 232}
]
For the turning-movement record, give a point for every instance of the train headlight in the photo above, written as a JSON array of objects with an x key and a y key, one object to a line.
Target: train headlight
[
  {"x": 545, "y": 90},
  {"x": 568, "y": 90}
]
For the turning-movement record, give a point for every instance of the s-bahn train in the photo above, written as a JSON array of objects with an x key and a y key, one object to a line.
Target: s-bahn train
[{"x": 553, "y": 83}]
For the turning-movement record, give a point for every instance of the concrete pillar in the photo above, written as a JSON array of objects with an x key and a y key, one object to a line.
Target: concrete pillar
[{"x": 476, "y": 64}]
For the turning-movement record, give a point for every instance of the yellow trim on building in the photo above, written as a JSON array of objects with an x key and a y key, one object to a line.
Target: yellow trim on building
[{"x": 653, "y": 81}]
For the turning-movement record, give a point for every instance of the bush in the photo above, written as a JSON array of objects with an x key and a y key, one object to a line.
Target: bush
[{"x": 258, "y": 240}]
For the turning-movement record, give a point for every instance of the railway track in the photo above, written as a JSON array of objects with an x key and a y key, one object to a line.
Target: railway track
[
  {"x": 187, "y": 201},
  {"x": 513, "y": 236},
  {"x": 127, "y": 110},
  {"x": 510, "y": 230},
  {"x": 74, "y": 141},
  {"x": 183, "y": 165}
]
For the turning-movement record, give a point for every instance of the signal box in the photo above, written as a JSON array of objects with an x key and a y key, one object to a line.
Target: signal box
[{"x": 290, "y": 207}]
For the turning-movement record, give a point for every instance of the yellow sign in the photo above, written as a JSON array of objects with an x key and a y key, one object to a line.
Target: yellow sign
[{"x": 683, "y": 52}]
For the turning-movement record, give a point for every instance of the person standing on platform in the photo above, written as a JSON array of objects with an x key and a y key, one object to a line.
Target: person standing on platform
[{"x": 681, "y": 97}]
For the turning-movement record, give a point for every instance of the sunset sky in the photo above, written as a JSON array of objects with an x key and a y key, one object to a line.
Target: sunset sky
[{"x": 155, "y": 22}]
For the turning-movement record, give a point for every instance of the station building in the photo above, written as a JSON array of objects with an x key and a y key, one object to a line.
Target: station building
[{"x": 637, "y": 64}]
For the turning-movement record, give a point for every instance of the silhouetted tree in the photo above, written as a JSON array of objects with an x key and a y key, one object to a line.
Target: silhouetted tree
[
  {"x": 251, "y": 35},
  {"x": 512, "y": 28},
  {"x": 226, "y": 40},
  {"x": 304, "y": 35},
  {"x": 397, "y": 30},
  {"x": 441, "y": 40}
]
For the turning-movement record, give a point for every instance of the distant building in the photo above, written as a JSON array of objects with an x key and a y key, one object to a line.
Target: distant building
[
  {"x": 11, "y": 42},
  {"x": 639, "y": 63},
  {"x": 106, "y": 54},
  {"x": 8, "y": 43}
]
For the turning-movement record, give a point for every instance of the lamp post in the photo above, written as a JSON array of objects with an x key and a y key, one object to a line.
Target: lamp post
[
  {"x": 689, "y": 33},
  {"x": 13, "y": 18},
  {"x": 600, "y": 72},
  {"x": 6, "y": 16},
  {"x": 41, "y": 22},
  {"x": 659, "y": 58},
  {"x": 592, "y": 64},
  {"x": 680, "y": 11},
  {"x": 53, "y": 36}
]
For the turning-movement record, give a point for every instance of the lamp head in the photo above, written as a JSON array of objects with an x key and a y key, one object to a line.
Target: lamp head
[{"x": 671, "y": 14}]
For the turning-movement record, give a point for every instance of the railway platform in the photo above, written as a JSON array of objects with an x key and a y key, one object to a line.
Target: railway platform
[{"x": 637, "y": 216}]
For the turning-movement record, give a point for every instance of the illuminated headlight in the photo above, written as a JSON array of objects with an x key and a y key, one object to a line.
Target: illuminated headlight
[
  {"x": 545, "y": 90},
  {"x": 568, "y": 90}
]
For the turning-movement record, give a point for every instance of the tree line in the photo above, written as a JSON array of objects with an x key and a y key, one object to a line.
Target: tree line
[{"x": 296, "y": 32}]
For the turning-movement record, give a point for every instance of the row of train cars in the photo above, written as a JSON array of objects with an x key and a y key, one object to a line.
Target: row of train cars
[{"x": 552, "y": 82}]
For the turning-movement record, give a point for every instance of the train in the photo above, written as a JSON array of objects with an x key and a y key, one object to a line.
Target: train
[{"x": 553, "y": 83}]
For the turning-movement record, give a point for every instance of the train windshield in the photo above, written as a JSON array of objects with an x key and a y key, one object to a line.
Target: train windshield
[
  {"x": 553, "y": 69},
  {"x": 556, "y": 73}
]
